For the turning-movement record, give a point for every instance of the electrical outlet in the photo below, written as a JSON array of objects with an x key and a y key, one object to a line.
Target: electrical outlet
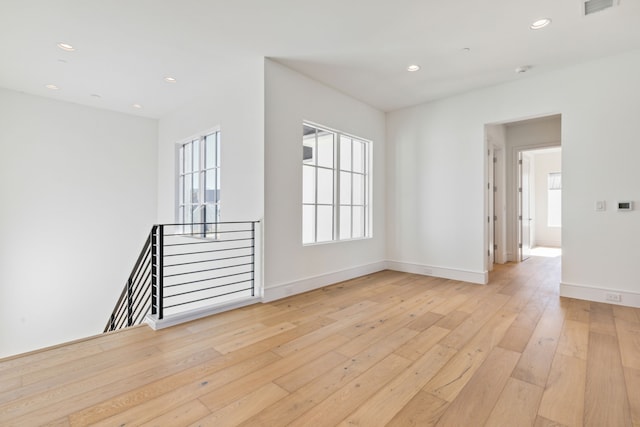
[{"x": 613, "y": 297}]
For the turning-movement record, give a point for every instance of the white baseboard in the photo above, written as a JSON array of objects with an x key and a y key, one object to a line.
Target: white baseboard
[
  {"x": 188, "y": 316},
  {"x": 548, "y": 243},
  {"x": 592, "y": 293},
  {"x": 480, "y": 277},
  {"x": 284, "y": 290}
]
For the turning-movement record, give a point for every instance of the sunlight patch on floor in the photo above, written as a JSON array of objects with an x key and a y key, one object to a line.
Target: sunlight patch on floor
[{"x": 546, "y": 252}]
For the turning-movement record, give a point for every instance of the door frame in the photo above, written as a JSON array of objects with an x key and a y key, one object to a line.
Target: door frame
[
  {"x": 524, "y": 195},
  {"x": 516, "y": 153}
]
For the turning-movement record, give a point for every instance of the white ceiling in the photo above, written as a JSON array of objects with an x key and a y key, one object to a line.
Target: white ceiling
[{"x": 360, "y": 47}]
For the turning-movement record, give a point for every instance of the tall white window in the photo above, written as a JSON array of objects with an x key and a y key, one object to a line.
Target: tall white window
[
  {"x": 199, "y": 179},
  {"x": 335, "y": 186},
  {"x": 554, "y": 200}
]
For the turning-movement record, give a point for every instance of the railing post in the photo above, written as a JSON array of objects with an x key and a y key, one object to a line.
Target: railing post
[
  {"x": 154, "y": 265},
  {"x": 160, "y": 260},
  {"x": 253, "y": 258}
]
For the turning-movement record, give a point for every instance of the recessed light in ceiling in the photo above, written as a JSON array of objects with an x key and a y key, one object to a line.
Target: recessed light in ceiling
[
  {"x": 95, "y": 95},
  {"x": 540, "y": 23},
  {"x": 170, "y": 79},
  {"x": 138, "y": 106},
  {"x": 466, "y": 49},
  {"x": 66, "y": 46},
  {"x": 52, "y": 87},
  {"x": 412, "y": 68},
  {"x": 522, "y": 69}
]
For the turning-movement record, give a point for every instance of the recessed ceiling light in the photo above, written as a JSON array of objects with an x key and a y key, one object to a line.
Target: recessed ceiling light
[
  {"x": 466, "y": 49},
  {"x": 522, "y": 69},
  {"x": 95, "y": 95},
  {"x": 540, "y": 23},
  {"x": 52, "y": 87},
  {"x": 170, "y": 79},
  {"x": 138, "y": 106},
  {"x": 66, "y": 46},
  {"x": 413, "y": 68}
]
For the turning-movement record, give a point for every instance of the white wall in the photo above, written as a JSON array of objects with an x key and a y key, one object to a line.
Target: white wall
[
  {"x": 436, "y": 156},
  {"x": 545, "y": 163},
  {"x": 234, "y": 101},
  {"x": 291, "y": 267},
  {"x": 78, "y": 194}
]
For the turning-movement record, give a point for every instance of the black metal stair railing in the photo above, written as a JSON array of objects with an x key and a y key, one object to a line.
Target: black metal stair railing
[
  {"x": 185, "y": 267},
  {"x": 133, "y": 304}
]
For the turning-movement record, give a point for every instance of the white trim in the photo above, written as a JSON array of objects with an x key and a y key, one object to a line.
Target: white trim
[
  {"x": 592, "y": 293},
  {"x": 548, "y": 243},
  {"x": 284, "y": 290},
  {"x": 479, "y": 277},
  {"x": 199, "y": 313}
]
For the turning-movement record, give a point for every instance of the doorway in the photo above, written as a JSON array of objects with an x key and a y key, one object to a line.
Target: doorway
[
  {"x": 539, "y": 202},
  {"x": 511, "y": 145}
]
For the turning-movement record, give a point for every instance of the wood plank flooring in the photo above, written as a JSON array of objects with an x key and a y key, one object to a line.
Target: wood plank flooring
[{"x": 388, "y": 349}]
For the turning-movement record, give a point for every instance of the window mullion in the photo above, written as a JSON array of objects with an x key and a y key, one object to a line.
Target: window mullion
[
  {"x": 315, "y": 200},
  {"x": 203, "y": 179},
  {"x": 336, "y": 186},
  {"x": 365, "y": 169},
  {"x": 351, "y": 209}
]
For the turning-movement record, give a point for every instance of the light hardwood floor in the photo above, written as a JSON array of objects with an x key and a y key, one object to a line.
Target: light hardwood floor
[{"x": 388, "y": 349}]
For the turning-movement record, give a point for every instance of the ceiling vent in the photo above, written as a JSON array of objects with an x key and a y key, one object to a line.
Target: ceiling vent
[{"x": 595, "y": 6}]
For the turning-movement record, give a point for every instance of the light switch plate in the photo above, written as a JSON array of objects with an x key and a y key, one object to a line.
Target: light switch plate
[{"x": 601, "y": 205}]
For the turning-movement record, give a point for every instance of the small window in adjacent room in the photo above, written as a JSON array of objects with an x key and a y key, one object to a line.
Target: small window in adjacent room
[
  {"x": 335, "y": 186},
  {"x": 554, "y": 200},
  {"x": 198, "y": 192}
]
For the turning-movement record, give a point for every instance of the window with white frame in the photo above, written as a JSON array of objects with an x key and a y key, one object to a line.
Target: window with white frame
[
  {"x": 335, "y": 186},
  {"x": 554, "y": 200},
  {"x": 199, "y": 179}
]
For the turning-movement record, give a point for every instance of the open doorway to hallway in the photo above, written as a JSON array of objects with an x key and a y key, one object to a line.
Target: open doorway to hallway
[
  {"x": 515, "y": 225},
  {"x": 540, "y": 202}
]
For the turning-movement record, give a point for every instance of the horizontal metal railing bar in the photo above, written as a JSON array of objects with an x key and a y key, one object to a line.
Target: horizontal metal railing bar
[
  {"x": 199, "y": 233},
  {"x": 211, "y": 223},
  {"x": 137, "y": 314},
  {"x": 206, "y": 260},
  {"x": 142, "y": 275},
  {"x": 204, "y": 299},
  {"x": 206, "y": 289},
  {"x": 140, "y": 313},
  {"x": 204, "y": 280},
  {"x": 146, "y": 263},
  {"x": 140, "y": 286},
  {"x": 141, "y": 300},
  {"x": 146, "y": 278},
  {"x": 208, "y": 269},
  {"x": 206, "y": 242},
  {"x": 207, "y": 252},
  {"x": 120, "y": 319}
]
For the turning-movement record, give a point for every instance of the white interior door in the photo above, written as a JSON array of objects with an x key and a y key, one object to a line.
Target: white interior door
[
  {"x": 491, "y": 207},
  {"x": 525, "y": 206}
]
